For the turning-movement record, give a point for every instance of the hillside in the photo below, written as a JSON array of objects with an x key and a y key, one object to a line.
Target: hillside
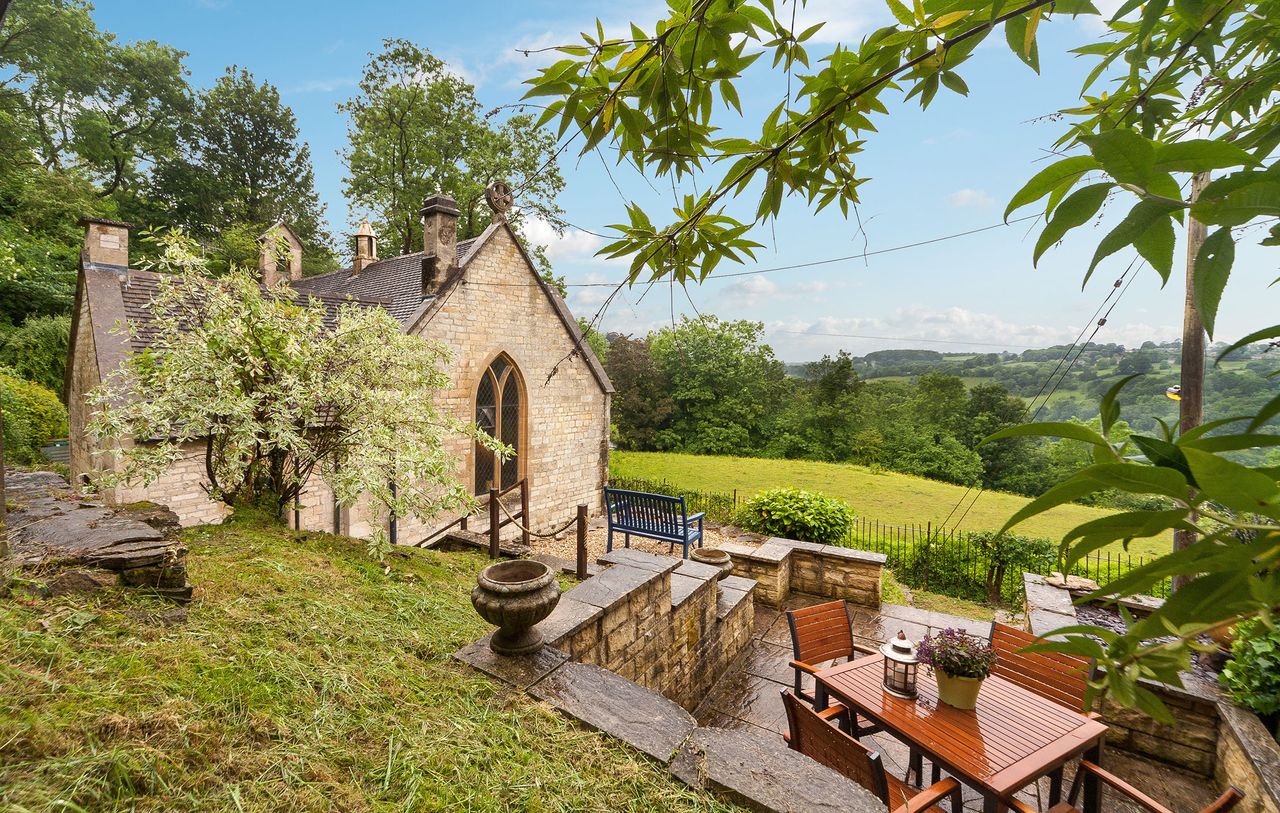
[
  {"x": 303, "y": 677},
  {"x": 887, "y": 496}
]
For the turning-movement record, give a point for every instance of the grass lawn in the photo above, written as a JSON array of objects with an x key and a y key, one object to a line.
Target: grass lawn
[
  {"x": 890, "y": 497},
  {"x": 303, "y": 677}
]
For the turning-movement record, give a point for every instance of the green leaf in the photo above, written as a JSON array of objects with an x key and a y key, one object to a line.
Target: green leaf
[
  {"x": 1209, "y": 276},
  {"x": 1156, "y": 246},
  {"x": 1070, "y": 490},
  {"x": 953, "y": 81},
  {"x": 1099, "y": 533},
  {"x": 1235, "y": 486},
  {"x": 901, "y": 13},
  {"x": 1109, "y": 409},
  {"x": 1067, "y": 171},
  {"x": 1138, "y": 479},
  {"x": 1052, "y": 429},
  {"x": 1135, "y": 224},
  {"x": 1260, "y": 198},
  {"x": 1015, "y": 33},
  {"x": 1075, "y": 210},
  {"x": 1272, "y": 332},
  {"x": 1125, "y": 155},
  {"x": 1269, "y": 410},
  {"x": 1200, "y": 155}
]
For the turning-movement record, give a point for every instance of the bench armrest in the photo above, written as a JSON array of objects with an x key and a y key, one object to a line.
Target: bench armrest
[
  {"x": 808, "y": 669},
  {"x": 697, "y": 517}
]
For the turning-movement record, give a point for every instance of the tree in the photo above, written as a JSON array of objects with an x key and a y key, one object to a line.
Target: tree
[
  {"x": 242, "y": 167},
  {"x": 651, "y": 95},
  {"x": 724, "y": 383},
  {"x": 276, "y": 397},
  {"x": 642, "y": 404},
  {"x": 415, "y": 129}
]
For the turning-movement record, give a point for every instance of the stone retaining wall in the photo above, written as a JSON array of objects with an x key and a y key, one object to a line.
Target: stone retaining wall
[
  {"x": 1211, "y": 736},
  {"x": 780, "y": 566},
  {"x": 669, "y": 625}
]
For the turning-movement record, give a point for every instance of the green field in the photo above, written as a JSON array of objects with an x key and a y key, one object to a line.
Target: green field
[{"x": 890, "y": 497}]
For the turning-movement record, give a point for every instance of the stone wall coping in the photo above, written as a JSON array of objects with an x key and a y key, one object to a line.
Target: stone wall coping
[
  {"x": 1256, "y": 743},
  {"x": 737, "y": 583},
  {"x": 727, "y": 600},
  {"x": 1043, "y": 596},
  {"x": 569, "y": 616},
  {"x": 697, "y": 570},
  {"x": 613, "y": 585},
  {"x": 682, "y": 587},
  {"x": 769, "y": 552},
  {"x": 853, "y": 554},
  {"x": 640, "y": 559},
  {"x": 796, "y": 544}
]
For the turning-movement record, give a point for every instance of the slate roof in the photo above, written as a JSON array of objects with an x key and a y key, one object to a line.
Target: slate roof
[{"x": 395, "y": 280}]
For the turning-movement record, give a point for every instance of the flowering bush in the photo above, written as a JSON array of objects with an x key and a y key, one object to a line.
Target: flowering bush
[
  {"x": 957, "y": 653},
  {"x": 793, "y": 513}
]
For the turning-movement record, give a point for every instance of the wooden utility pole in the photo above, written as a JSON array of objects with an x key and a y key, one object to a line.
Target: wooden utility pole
[
  {"x": 1191, "y": 407},
  {"x": 4, "y": 533}
]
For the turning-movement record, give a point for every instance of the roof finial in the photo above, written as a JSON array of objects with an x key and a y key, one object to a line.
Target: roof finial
[{"x": 498, "y": 196}]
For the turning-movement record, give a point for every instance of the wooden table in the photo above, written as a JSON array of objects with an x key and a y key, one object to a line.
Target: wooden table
[{"x": 1011, "y": 739}]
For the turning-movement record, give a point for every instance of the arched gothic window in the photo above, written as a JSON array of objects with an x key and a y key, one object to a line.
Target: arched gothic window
[{"x": 500, "y": 412}]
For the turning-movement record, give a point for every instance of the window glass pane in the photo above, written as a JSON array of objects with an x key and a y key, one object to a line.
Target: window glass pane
[
  {"x": 486, "y": 419},
  {"x": 510, "y": 429}
]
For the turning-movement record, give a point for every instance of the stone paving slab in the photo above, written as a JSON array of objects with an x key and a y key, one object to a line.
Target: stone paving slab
[
  {"x": 682, "y": 587},
  {"x": 697, "y": 570},
  {"x": 762, "y": 774},
  {"x": 569, "y": 616},
  {"x": 727, "y": 600},
  {"x": 611, "y": 586},
  {"x": 518, "y": 671},
  {"x": 607, "y": 702}
]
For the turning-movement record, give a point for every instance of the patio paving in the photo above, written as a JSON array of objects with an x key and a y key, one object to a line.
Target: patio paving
[{"x": 748, "y": 699}]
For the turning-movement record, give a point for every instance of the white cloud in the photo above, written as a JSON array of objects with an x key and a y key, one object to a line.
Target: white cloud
[
  {"x": 575, "y": 245},
  {"x": 970, "y": 199},
  {"x": 843, "y": 20},
  {"x": 952, "y": 329},
  {"x": 750, "y": 291},
  {"x": 324, "y": 85}
]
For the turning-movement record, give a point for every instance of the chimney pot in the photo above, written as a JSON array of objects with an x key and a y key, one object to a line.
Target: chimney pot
[
  {"x": 366, "y": 247},
  {"x": 106, "y": 242},
  {"x": 279, "y": 242}
]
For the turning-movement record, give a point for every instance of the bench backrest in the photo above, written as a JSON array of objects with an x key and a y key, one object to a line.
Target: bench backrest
[{"x": 647, "y": 512}]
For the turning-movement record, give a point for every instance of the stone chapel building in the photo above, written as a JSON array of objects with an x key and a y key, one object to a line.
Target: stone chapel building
[{"x": 514, "y": 370}]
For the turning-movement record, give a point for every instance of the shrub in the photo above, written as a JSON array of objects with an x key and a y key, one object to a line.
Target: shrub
[
  {"x": 793, "y": 513},
  {"x": 37, "y": 351},
  {"x": 980, "y": 566},
  {"x": 32, "y": 415},
  {"x": 1252, "y": 675}
]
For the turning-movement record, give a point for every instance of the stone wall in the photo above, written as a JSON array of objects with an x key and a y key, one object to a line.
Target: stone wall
[
  {"x": 1249, "y": 758},
  {"x": 780, "y": 566},
  {"x": 669, "y": 625}
]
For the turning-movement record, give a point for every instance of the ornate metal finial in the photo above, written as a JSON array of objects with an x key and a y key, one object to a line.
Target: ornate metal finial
[{"x": 498, "y": 196}]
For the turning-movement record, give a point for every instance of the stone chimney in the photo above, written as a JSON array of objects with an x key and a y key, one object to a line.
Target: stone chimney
[
  {"x": 279, "y": 244},
  {"x": 106, "y": 242},
  {"x": 366, "y": 247},
  {"x": 439, "y": 240}
]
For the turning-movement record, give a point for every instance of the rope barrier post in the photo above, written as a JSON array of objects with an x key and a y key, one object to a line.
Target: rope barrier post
[
  {"x": 524, "y": 512},
  {"x": 493, "y": 524},
  {"x": 582, "y": 542}
]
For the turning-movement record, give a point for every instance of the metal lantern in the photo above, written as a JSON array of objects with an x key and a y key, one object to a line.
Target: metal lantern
[{"x": 900, "y": 666}]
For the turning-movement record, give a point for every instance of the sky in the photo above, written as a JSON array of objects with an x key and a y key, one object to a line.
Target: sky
[{"x": 934, "y": 173}]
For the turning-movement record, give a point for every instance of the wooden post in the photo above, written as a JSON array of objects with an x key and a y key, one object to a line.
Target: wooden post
[
  {"x": 581, "y": 558},
  {"x": 1191, "y": 407},
  {"x": 494, "y": 551},
  {"x": 524, "y": 512},
  {"x": 4, "y": 533}
]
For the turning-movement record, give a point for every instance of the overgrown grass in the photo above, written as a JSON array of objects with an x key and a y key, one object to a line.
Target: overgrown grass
[
  {"x": 303, "y": 677},
  {"x": 890, "y": 497}
]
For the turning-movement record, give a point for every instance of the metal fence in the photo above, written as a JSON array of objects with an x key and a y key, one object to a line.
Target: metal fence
[{"x": 947, "y": 561}]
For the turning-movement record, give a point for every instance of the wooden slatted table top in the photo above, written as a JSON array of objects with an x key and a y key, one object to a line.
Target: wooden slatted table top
[{"x": 1013, "y": 737}]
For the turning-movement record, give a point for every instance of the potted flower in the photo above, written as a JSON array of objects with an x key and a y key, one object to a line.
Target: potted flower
[{"x": 960, "y": 662}]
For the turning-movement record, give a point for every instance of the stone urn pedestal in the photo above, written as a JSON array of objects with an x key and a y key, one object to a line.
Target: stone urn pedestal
[{"x": 514, "y": 596}]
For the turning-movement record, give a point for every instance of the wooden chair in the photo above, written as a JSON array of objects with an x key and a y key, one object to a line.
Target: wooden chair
[
  {"x": 1223, "y": 803},
  {"x": 814, "y": 737},
  {"x": 1052, "y": 675},
  {"x": 819, "y": 634}
]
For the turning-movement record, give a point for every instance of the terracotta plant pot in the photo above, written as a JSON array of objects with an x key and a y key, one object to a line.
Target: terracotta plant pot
[
  {"x": 958, "y": 692},
  {"x": 1223, "y": 635},
  {"x": 514, "y": 596},
  {"x": 714, "y": 557}
]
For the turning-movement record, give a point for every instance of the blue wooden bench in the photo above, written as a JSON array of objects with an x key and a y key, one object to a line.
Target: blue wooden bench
[{"x": 655, "y": 516}]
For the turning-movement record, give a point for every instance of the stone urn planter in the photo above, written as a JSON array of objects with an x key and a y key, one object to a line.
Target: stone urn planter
[
  {"x": 714, "y": 557},
  {"x": 958, "y": 692},
  {"x": 514, "y": 596}
]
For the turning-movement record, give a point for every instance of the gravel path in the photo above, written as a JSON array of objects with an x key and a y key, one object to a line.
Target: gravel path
[{"x": 565, "y": 545}]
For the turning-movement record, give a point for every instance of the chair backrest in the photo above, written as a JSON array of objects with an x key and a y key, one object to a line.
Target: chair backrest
[
  {"x": 821, "y": 632},
  {"x": 828, "y": 745},
  {"x": 651, "y": 512},
  {"x": 1052, "y": 675}
]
